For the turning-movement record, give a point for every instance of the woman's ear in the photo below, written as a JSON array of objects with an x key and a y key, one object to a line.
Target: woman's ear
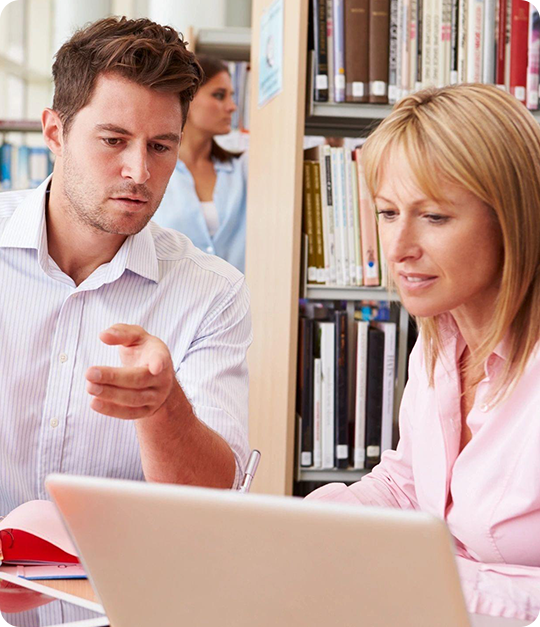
[{"x": 52, "y": 131}]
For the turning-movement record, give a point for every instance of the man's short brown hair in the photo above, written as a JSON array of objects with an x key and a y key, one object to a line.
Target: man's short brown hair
[{"x": 140, "y": 50}]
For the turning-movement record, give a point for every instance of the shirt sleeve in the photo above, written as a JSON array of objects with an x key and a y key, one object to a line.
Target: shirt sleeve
[
  {"x": 504, "y": 590},
  {"x": 214, "y": 375},
  {"x": 391, "y": 482}
]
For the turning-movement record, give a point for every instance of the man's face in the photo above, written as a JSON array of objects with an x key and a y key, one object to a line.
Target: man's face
[{"x": 119, "y": 154}]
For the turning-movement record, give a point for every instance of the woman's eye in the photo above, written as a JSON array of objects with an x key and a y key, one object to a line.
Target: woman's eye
[
  {"x": 219, "y": 96},
  {"x": 436, "y": 218},
  {"x": 386, "y": 214}
]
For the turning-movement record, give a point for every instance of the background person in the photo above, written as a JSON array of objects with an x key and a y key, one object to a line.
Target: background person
[
  {"x": 206, "y": 196},
  {"x": 455, "y": 175}
]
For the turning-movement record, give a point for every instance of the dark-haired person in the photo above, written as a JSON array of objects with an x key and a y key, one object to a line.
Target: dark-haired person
[
  {"x": 206, "y": 196},
  {"x": 123, "y": 345}
]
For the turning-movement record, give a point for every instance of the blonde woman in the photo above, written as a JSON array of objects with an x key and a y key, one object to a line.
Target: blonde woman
[{"x": 455, "y": 175}]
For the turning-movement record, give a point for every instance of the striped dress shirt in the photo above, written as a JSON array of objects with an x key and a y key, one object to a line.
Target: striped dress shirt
[{"x": 194, "y": 302}]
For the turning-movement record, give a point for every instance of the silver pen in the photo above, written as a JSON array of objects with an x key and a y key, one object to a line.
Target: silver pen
[{"x": 251, "y": 469}]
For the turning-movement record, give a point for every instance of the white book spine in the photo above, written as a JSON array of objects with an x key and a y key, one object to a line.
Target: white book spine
[
  {"x": 462, "y": 41},
  {"x": 343, "y": 217},
  {"x": 446, "y": 42},
  {"x": 427, "y": 44},
  {"x": 327, "y": 393},
  {"x": 356, "y": 210},
  {"x": 507, "y": 44},
  {"x": 437, "y": 43},
  {"x": 475, "y": 28},
  {"x": 350, "y": 217},
  {"x": 317, "y": 413},
  {"x": 330, "y": 47},
  {"x": 413, "y": 45},
  {"x": 389, "y": 378},
  {"x": 533, "y": 64},
  {"x": 360, "y": 402},
  {"x": 488, "y": 47},
  {"x": 405, "y": 48},
  {"x": 336, "y": 178}
]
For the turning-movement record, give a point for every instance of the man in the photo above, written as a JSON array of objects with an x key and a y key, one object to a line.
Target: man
[{"x": 123, "y": 346}]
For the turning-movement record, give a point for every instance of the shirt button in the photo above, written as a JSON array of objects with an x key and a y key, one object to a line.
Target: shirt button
[
  {"x": 209, "y": 249},
  {"x": 63, "y": 358},
  {"x": 54, "y": 423},
  {"x": 484, "y": 407}
]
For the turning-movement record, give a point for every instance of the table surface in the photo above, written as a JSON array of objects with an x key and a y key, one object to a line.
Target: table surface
[{"x": 82, "y": 588}]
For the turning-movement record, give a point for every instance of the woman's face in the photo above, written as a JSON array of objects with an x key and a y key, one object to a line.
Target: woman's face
[
  {"x": 212, "y": 108},
  {"x": 443, "y": 257}
]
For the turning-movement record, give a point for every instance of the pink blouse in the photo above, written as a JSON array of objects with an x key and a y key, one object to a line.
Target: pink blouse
[{"x": 489, "y": 494}]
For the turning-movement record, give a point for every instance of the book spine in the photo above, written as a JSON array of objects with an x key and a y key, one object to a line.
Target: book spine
[
  {"x": 507, "y": 45},
  {"x": 488, "y": 52},
  {"x": 436, "y": 43},
  {"x": 427, "y": 44},
  {"x": 462, "y": 39},
  {"x": 318, "y": 225},
  {"x": 324, "y": 214},
  {"x": 501, "y": 43},
  {"x": 330, "y": 48},
  {"x": 350, "y": 217},
  {"x": 405, "y": 49},
  {"x": 389, "y": 382},
  {"x": 6, "y": 155},
  {"x": 308, "y": 228},
  {"x": 328, "y": 366},
  {"x": 306, "y": 390},
  {"x": 379, "y": 24},
  {"x": 393, "y": 96},
  {"x": 344, "y": 236},
  {"x": 533, "y": 66},
  {"x": 341, "y": 414},
  {"x": 356, "y": 50},
  {"x": 336, "y": 184},
  {"x": 339, "y": 52},
  {"x": 419, "y": 44},
  {"x": 360, "y": 401},
  {"x": 368, "y": 229},
  {"x": 413, "y": 44},
  {"x": 317, "y": 412},
  {"x": 356, "y": 209},
  {"x": 518, "y": 49},
  {"x": 454, "y": 30},
  {"x": 399, "y": 68},
  {"x": 374, "y": 396},
  {"x": 475, "y": 24},
  {"x": 328, "y": 204},
  {"x": 321, "y": 51},
  {"x": 446, "y": 38}
]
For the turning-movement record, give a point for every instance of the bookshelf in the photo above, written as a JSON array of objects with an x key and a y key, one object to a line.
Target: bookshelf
[
  {"x": 20, "y": 126},
  {"x": 232, "y": 43},
  {"x": 274, "y": 251}
]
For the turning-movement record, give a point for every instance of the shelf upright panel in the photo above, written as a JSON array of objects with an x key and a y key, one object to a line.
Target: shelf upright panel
[{"x": 274, "y": 229}]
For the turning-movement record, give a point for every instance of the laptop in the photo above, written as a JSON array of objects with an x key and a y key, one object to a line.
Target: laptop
[{"x": 176, "y": 555}]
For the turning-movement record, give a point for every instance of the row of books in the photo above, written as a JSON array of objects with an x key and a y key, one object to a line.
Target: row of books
[
  {"x": 241, "y": 81},
  {"x": 339, "y": 220},
  {"x": 345, "y": 398},
  {"x": 22, "y": 167},
  {"x": 380, "y": 50}
]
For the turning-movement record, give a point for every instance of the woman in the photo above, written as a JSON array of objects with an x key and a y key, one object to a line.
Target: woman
[
  {"x": 206, "y": 195},
  {"x": 455, "y": 175}
]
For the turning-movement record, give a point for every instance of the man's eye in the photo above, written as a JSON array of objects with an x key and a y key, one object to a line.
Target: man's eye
[
  {"x": 112, "y": 141},
  {"x": 161, "y": 148}
]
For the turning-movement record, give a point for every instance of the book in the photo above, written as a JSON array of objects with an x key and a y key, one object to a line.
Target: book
[
  {"x": 368, "y": 229},
  {"x": 374, "y": 396},
  {"x": 341, "y": 395},
  {"x": 501, "y": 44},
  {"x": 328, "y": 367},
  {"x": 356, "y": 20},
  {"x": 320, "y": 50},
  {"x": 339, "y": 50},
  {"x": 475, "y": 29},
  {"x": 330, "y": 48},
  {"x": 389, "y": 382},
  {"x": 519, "y": 36},
  {"x": 318, "y": 222},
  {"x": 359, "y": 449},
  {"x": 379, "y": 24},
  {"x": 33, "y": 537},
  {"x": 308, "y": 217},
  {"x": 6, "y": 152},
  {"x": 489, "y": 62},
  {"x": 454, "y": 22},
  {"x": 533, "y": 63},
  {"x": 317, "y": 407},
  {"x": 340, "y": 216},
  {"x": 305, "y": 377},
  {"x": 356, "y": 216},
  {"x": 393, "y": 90}
]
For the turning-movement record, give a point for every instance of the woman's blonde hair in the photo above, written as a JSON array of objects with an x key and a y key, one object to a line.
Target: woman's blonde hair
[{"x": 482, "y": 139}]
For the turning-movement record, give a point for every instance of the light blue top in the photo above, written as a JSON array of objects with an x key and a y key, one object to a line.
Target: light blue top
[{"x": 180, "y": 209}]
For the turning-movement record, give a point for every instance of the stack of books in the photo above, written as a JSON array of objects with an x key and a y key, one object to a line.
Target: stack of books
[
  {"x": 379, "y": 51},
  {"x": 346, "y": 382},
  {"x": 22, "y": 167}
]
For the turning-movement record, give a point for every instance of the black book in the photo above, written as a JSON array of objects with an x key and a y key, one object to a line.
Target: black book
[
  {"x": 305, "y": 391},
  {"x": 374, "y": 396},
  {"x": 341, "y": 418},
  {"x": 320, "y": 46}
]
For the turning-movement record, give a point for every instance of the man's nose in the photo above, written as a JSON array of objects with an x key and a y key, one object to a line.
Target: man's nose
[{"x": 136, "y": 165}]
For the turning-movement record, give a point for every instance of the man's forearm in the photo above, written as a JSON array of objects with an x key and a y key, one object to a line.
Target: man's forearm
[{"x": 176, "y": 447}]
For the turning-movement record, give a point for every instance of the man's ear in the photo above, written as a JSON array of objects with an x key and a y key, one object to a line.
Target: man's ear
[{"x": 53, "y": 131}]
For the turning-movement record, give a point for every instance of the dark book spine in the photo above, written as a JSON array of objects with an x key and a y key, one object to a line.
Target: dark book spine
[
  {"x": 374, "y": 396},
  {"x": 356, "y": 20},
  {"x": 306, "y": 390},
  {"x": 379, "y": 33},
  {"x": 419, "y": 35},
  {"x": 320, "y": 45},
  {"x": 454, "y": 41},
  {"x": 341, "y": 396}
]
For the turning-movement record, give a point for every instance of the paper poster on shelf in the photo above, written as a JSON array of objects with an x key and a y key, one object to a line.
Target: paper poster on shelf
[{"x": 271, "y": 53}]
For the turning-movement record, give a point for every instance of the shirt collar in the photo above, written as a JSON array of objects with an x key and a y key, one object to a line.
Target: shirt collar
[{"x": 27, "y": 229}]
